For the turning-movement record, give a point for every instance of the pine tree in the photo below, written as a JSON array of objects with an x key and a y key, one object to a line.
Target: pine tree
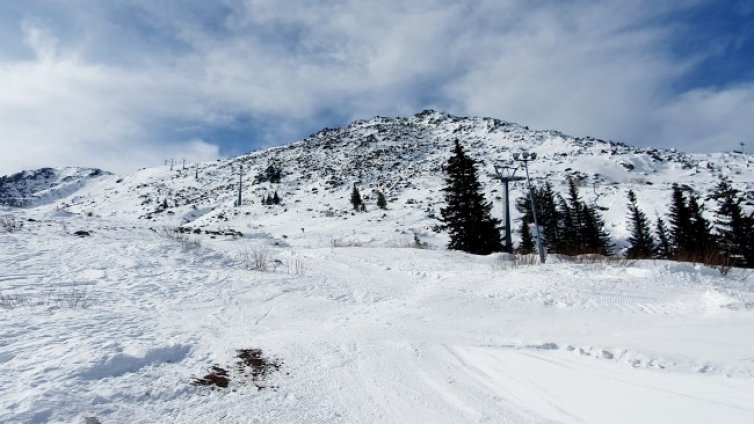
[
  {"x": 467, "y": 215},
  {"x": 550, "y": 219},
  {"x": 701, "y": 240},
  {"x": 641, "y": 241},
  {"x": 569, "y": 234},
  {"x": 381, "y": 201},
  {"x": 664, "y": 246},
  {"x": 527, "y": 242},
  {"x": 356, "y": 198},
  {"x": 747, "y": 250},
  {"x": 680, "y": 222},
  {"x": 596, "y": 238},
  {"x": 577, "y": 217},
  {"x": 276, "y": 198},
  {"x": 731, "y": 223},
  {"x": 583, "y": 225}
]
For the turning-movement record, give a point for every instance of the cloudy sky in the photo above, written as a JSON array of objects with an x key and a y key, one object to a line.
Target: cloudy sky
[{"x": 125, "y": 84}]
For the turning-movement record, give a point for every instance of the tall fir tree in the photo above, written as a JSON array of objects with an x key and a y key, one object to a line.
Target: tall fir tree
[
  {"x": 576, "y": 216},
  {"x": 381, "y": 201},
  {"x": 467, "y": 216},
  {"x": 596, "y": 238},
  {"x": 664, "y": 245},
  {"x": 569, "y": 234},
  {"x": 748, "y": 240},
  {"x": 550, "y": 219},
  {"x": 679, "y": 220},
  {"x": 641, "y": 242},
  {"x": 701, "y": 240},
  {"x": 732, "y": 226},
  {"x": 356, "y": 201},
  {"x": 585, "y": 228},
  {"x": 526, "y": 246}
]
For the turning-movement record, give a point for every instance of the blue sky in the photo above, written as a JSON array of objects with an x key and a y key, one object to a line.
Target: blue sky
[{"x": 125, "y": 84}]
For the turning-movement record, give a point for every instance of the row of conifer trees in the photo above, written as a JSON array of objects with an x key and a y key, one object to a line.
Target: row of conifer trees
[
  {"x": 571, "y": 226},
  {"x": 689, "y": 236}
]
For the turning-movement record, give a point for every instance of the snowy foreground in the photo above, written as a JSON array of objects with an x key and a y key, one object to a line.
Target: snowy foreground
[{"x": 116, "y": 325}]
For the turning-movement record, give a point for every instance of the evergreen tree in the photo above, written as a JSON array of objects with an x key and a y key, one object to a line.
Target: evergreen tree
[
  {"x": 381, "y": 201},
  {"x": 577, "y": 215},
  {"x": 596, "y": 238},
  {"x": 550, "y": 219},
  {"x": 467, "y": 215},
  {"x": 569, "y": 234},
  {"x": 680, "y": 222},
  {"x": 276, "y": 198},
  {"x": 583, "y": 224},
  {"x": 731, "y": 223},
  {"x": 356, "y": 198},
  {"x": 527, "y": 242},
  {"x": 569, "y": 226},
  {"x": 701, "y": 240},
  {"x": 641, "y": 241},
  {"x": 664, "y": 246}
]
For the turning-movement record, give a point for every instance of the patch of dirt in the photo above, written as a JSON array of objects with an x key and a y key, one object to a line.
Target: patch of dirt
[
  {"x": 217, "y": 377},
  {"x": 255, "y": 366},
  {"x": 252, "y": 367}
]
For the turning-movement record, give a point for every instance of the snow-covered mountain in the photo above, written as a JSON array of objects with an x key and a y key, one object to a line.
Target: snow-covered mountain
[
  {"x": 105, "y": 320},
  {"x": 401, "y": 157},
  {"x": 45, "y": 185}
]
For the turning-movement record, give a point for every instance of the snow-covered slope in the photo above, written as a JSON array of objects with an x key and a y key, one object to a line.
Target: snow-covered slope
[
  {"x": 403, "y": 158},
  {"x": 363, "y": 335},
  {"x": 365, "y": 329},
  {"x": 46, "y": 185}
]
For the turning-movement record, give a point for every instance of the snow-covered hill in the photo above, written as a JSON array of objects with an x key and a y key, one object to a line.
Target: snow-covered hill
[
  {"x": 45, "y": 185},
  {"x": 107, "y": 313},
  {"x": 403, "y": 158},
  {"x": 116, "y": 325}
]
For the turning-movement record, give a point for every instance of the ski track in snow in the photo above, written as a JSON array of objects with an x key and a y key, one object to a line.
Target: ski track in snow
[{"x": 368, "y": 335}]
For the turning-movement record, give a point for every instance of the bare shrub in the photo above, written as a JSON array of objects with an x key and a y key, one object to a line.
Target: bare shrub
[
  {"x": 712, "y": 258},
  {"x": 594, "y": 258},
  {"x": 170, "y": 233},
  {"x": 9, "y": 225},
  {"x": 255, "y": 259},
  {"x": 417, "y": 243},
  {"x": 72, "y": 297},
  {"x": 346, "y": 243},
  {"x": 178, "y": 235},
  {"x": 296, "y": 267},
  {"x": 63, "y": 296},
  {"x": 525, "y": 260},
  {"x": 512, "y": 261},
  {"x": 14, "y": 300}
]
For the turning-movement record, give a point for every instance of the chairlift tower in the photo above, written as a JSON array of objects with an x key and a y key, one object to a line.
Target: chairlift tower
[
  {"x": 507, "y": 175},
  {"x": 527, "y": 157},
  {"x": 240, "y": 184}
]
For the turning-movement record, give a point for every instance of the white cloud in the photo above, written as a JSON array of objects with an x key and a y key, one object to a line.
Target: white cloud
[
  {"x": 59, "y": 110},
  {"x": 709, "y": 120},
  {"x": 108, "y": 93}
]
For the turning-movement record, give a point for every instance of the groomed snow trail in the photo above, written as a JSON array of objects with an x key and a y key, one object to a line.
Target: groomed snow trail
[{"x": 367, "y": 335}]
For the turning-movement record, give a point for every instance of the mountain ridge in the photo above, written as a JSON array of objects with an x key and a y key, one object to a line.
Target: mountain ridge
[{"x": 403, "y": 158}]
